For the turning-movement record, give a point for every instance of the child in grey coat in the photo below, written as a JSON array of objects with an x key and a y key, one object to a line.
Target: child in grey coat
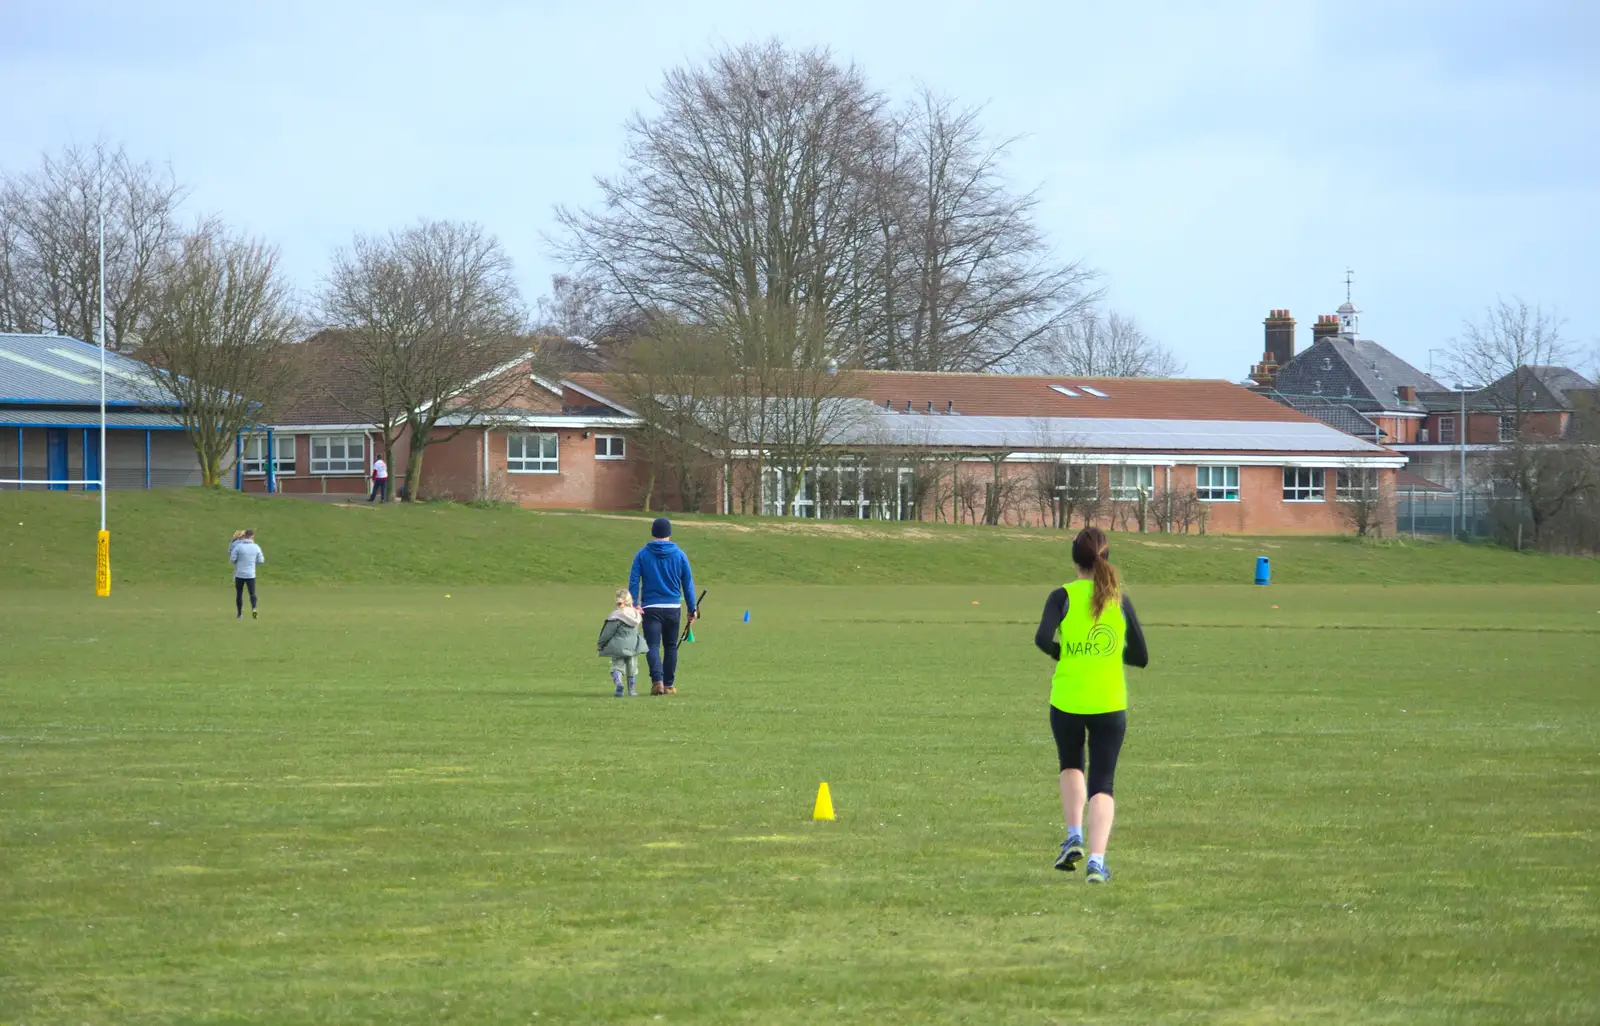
[{"x": 622, "y": 642}]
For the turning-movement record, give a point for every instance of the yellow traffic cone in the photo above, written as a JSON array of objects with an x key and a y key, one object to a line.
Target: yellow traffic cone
[{"x": 824, "y": 809}]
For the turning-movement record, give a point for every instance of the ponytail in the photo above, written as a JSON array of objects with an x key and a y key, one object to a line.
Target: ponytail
[
  {"x": 1089, "y": 550},
  {"x": 237, "y": 535}
]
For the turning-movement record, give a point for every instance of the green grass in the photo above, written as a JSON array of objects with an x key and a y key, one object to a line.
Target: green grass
[
  {"x": 386, "y": 805},
  {"x": 180, "y": 537}
]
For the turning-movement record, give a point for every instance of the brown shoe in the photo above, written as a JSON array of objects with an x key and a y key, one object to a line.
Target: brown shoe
[
  {"x": 670, "y": 691},
  {"x": 657, "y": 689}
]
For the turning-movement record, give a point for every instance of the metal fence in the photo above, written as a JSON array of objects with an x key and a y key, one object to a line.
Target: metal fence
[{"x": 1451, "y": 514}]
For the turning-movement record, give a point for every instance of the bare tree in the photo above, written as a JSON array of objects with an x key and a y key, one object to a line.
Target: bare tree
[
  {"x": 1100, "y": 344},
  {"x": 1505, "y": 349},
  {"x": 966, "y": 278},
  {"x": 740, "y": 196},
  {"x": 434, "y": 320},
  {"x": 217, "y": 335},
  {"x": 49, "y": 244},
  {"x": 1364, "y": 505}
]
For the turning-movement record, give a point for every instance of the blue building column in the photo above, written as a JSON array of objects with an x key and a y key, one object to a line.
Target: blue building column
[
  {"x": 238, "y": 462},
  {"x": 20, "y": 474},
  {"x": 272, "y": 464},
  {"x": 147, "y": 459}
]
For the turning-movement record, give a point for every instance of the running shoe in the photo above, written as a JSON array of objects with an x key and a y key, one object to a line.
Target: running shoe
[
  {"x": 1071, "y": 854},
  {"x": 254, "y": 615},
  {"x": 1098, "y": 873}
]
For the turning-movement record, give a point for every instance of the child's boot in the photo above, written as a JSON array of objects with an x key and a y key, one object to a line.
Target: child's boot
[
  {"x": 616, "y": 678},
  {"x": 631, "y": 692}
]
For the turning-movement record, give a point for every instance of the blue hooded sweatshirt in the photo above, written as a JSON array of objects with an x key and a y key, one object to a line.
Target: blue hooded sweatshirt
[{"x": 661, "y": 576}]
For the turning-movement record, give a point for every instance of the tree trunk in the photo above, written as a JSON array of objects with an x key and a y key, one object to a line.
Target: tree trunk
[{"x": 414, "y": 470}]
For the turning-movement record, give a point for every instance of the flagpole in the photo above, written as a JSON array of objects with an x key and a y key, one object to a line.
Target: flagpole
[
  {"x": 102, "y": 369},
  {"x": 102, "y": 547}
]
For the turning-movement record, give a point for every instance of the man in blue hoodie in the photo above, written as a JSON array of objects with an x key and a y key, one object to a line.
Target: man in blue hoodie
[{"x": 661, "y": 582}]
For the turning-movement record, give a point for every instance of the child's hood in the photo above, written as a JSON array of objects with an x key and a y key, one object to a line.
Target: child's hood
[{"x": 627, "y": 614}]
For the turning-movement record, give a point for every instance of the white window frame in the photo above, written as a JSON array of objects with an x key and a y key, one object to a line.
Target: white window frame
[
  {"x": 536, "y": 464},
  {"x": 1304, "y": 484},
  {"x": 1447, "y": 426},
  {"x": 253, "y": 456},
  {"x": 1512, "y": 436},
  {"x": 613, "y": 442},
  {"x": 1355, "y": 484},
  {"x": 328, "y": 466},
  {"x": 1143, "y": 477},
  {"x": 1208, "y": 488}
]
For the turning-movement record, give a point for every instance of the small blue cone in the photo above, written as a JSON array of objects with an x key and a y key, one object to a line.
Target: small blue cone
[{"x": 747, "y": 616}]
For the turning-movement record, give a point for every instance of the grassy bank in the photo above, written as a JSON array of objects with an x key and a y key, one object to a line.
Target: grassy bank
[{"x": 180, "y": 537}]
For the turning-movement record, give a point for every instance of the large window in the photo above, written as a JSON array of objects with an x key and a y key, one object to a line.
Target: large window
[
  {"x": 1217, "y": 484},
  {"x": 1359, "y": 484},
  {"x": 1078, "y": 480},
  {"x": 1447, "y": 429},
  {"x": 844, "y": 491},
  {"x": 254, "y": 460},
  {"x": 1128, "y": 482},
  {"x": 1508, "y": 429},
  {"x": 338, "y": 454},
  {"x": 533, "y": 454},
  {"x": 610, "y": 447},
  {"x": 1303, "y": 484}
]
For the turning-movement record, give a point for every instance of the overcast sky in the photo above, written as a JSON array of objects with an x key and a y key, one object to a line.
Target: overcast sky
[{"x": 1214, "y": 159}]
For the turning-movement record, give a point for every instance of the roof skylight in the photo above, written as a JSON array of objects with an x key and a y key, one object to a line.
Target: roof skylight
[
  {"x": 1064, "y": 390},
  {"x": 1095, "y": 392}
]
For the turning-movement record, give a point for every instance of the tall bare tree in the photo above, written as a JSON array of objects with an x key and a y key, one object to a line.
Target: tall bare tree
[
  {"x": 217, "y": 334},
  {"x": 739, "y": 196},
  {"x": 1102, "y": 344},
  {"x": 1504, "y": 349},
  {"x": 434, "y": 320},
  {"x": 968, "y": 281},
  {"x": 49, "y": 224}
]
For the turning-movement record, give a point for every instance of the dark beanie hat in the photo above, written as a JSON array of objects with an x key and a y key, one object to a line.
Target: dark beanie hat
[{"x": 662, "y": 528}]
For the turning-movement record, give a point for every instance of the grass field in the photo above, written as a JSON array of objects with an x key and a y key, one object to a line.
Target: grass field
[{"x": 418, "y": 804}]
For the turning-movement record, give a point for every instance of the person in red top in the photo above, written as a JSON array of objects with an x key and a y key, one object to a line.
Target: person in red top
[{"x": 380, "y": 481}]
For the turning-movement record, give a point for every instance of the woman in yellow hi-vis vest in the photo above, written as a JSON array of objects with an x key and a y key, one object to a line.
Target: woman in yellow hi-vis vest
[{"x": 1098, "y": 634}]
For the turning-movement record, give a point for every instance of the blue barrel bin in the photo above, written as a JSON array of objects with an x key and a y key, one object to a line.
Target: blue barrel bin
[{"x": 1263, "y": 570}]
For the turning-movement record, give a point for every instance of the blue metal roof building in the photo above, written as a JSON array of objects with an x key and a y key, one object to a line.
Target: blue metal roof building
[{"x": 50, "y": 419}]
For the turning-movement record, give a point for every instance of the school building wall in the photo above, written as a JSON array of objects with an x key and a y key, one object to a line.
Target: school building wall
[{"x": 172, "y": 460}]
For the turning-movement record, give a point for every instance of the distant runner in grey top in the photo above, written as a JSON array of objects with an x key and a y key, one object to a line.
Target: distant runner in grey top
[{"x": 245, "y": 556}]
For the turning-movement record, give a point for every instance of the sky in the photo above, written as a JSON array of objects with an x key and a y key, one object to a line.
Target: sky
[{"x": 1214, "y": 161}]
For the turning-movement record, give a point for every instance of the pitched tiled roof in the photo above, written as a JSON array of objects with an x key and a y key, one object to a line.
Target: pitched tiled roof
[
  {"x": 1542, "y": 388},
  {"x": 1359, "y": 371},
  {"x": 330, "y": 388},
  {"x": 1335, "y": 414}
]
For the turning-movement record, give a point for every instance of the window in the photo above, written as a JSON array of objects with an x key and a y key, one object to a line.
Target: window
[
  {"x": 1303, "y": 484},
  {"x": 338, "y": 454},
  {"x": 1447, "y": 429},
  {"x": 1357, "y": 485},
  {"x": 1508, "y": 429},
  {"x": 1217, "y": 484},
  {"x": 254, "y": 459},
  {"x": 1127, "y": 482},
  {"x": 533, "y": 454},
  {"x": 1079, "y": 480},
  {"x": 610, "y": 447}
]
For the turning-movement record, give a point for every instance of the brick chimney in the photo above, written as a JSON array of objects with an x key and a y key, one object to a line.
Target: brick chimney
[
  {"x": 1327, "y": 326},
  {"x": 1407, "y": 393},
  {"x": 1280, "y": 336}
]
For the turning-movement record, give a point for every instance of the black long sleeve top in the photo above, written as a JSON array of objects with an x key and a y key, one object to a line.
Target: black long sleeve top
[{"x": 1134, "y": 652}]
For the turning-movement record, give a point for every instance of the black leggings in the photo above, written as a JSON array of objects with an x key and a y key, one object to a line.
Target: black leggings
[
  {"x": 1105, "y": 732},
  {"x": 239, "y": 584}
]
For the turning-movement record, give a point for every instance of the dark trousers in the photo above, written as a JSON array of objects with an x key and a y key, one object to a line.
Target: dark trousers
[
  {"x": 1104, "y": 732},
  {"x": 380, "y": 489},
  {"x": 661, "y": 634},
  {"x": 239, "y": 585}
]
